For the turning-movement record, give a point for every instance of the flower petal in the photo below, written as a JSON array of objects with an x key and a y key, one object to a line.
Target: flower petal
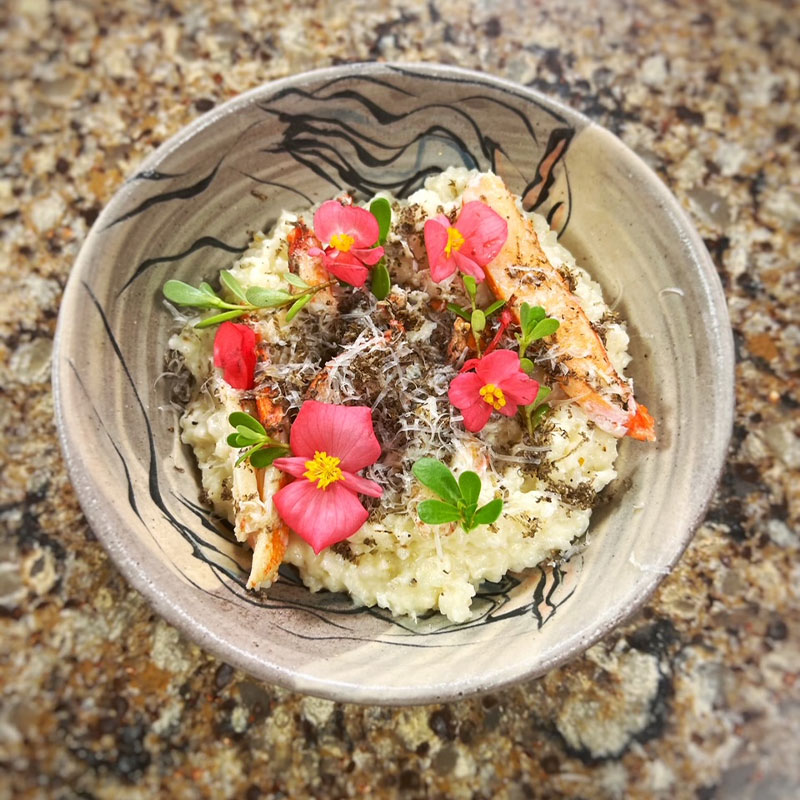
[
  {"x": 468, "y": 265},
  {"x": 368, "y": 255},
  {"x": 355, "y": 483},
  {"x": 346, "y": 268},
  {"x": 361, "y": 225},
  {"x": 294, "y": 466},
  {"x": 476, "y": 415},
  {"x": 498, "y": 366},
  {"x": 235, "y": 353},
  {"x": 509, "y": 409},
  {"x": 341, "y": 431},
  {"x": 442, "y": 269},
  {"x": 332, "y": 218},
  {"x": 464, "y": 390},
  {"x": 484, "y": 231},
  {"x": 328, "y": 220},
  {"x": 435, "y": 242},
  {"x": 320, "y": 516},
  {"x": 520, "y": 389}
]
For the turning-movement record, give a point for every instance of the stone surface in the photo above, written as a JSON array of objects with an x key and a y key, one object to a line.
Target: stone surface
[{"x": 698, "y": 696}]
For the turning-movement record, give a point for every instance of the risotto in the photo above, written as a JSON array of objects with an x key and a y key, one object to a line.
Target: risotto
[{"x": 410, "y": 359}]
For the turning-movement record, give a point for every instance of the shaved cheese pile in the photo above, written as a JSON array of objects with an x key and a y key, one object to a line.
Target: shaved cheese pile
[{"x": 398, "y": 356}]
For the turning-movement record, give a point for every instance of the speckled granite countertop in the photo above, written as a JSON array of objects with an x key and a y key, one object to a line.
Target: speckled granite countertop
[{"x": 698, "y": 696}]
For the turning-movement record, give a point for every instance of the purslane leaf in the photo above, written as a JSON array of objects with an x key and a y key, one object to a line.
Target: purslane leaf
[
  {"x": 264, "y": 457},
  {"x": 228, "y": 280},
  {"x": 470, "y": 485},
  {"x": 435, "y": 512},
  {"x": 467, "y": 514},
  {"x": 456, "y": 309},
  {"x": 241, "y": 418},
  {"x": 295, "y": 280},
  {"x": 247, "y": 453},
  {"x": 478, "y": 320},
  {"x": 496, "y": 306},
  {"x": 382, "y": 211},
  {"x": 545, "y": 327},
  {"x": 438, "y": 478},
  {"x": 268, "y": 298},
  {"x": 207, "y": 288},
  {"x": 542, "y": 394},
  {"x": 526, "y": 365},
  {"x": 298, "y": 306},
  {"x": 471, "y": 285},
  {"x": 217, "y": 318},
  {"x": 538, "y": 414},
  {"x": 529, "y": 316},
  {"x": 249, "y": 435},
  {"x": 489, "y": 513},
  {"x": 381, "y": 280},
  {"x": 233, "y": 440},
  {"x": 182, "y": 294}
]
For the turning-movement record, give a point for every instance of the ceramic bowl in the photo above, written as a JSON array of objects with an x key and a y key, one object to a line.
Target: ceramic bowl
[{"x": 191, "y": 209}]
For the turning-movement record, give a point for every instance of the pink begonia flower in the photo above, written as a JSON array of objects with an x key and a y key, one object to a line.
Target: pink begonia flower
[
  {"x": 235, "y": 353},
  {"x": 498, "y": 384},
  {"x": 469, "y": 244},
  {"x": 350, "y": 232},
  {"x": 330, "y": 444}
]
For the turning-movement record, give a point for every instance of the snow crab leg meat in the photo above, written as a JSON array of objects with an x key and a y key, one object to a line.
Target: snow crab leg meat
[
  {"x": 521, "y": 273},
  {"x": 256, "y": 520},
  {"x": 310, "y": 268}
]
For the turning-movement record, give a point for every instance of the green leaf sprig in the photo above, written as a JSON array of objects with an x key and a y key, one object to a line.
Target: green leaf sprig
[
  {"x": 534, "y": 413},
  {"x": 459, "y": 501},
  {"x": 535, "y": 324},
  {"x": 476, "y": 317},
  {"x": 259, "y": 447},
  {"x": 204, "y": 296},
  {"x": 381, "y": 279}
]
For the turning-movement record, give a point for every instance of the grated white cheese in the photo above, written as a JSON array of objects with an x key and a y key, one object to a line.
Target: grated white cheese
[{"x": 390, "y": 356}]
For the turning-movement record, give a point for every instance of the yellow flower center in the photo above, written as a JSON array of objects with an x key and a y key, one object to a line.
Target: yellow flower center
[
  {"x": 342, "y": 241},
  {"x": 493, "y": 395},
  {"x": 454, "y": 240},
  {"x": 323, "y": 470}
]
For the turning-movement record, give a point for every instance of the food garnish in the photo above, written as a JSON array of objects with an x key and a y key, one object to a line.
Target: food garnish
[
  {"x": 260, "y": 449},
  {"x": 235, "y": 354},
  {"x": 534, "y": 325},
  {"x": 477, "y": 317},
  {"x": 497, "y": 384},
  {"x": 381, "y": 280},
  {"x": 534, "y": 413},
  {"x": 204, "y": 296},
  {"x": 460, "y": 497},
  {"x": 468, "y": 244},
  {"x": 330, "y": 444},
  {"x": 351, "y": 233}
]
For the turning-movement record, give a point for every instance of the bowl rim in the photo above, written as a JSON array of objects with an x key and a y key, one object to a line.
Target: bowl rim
[{"x": 194, "y": 628}]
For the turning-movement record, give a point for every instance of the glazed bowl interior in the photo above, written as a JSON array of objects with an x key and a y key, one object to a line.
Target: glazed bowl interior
[{"x": 192, "y": 208}]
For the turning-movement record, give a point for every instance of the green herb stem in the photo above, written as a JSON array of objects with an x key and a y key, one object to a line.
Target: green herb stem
[{"x": 183, "y": 294}]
